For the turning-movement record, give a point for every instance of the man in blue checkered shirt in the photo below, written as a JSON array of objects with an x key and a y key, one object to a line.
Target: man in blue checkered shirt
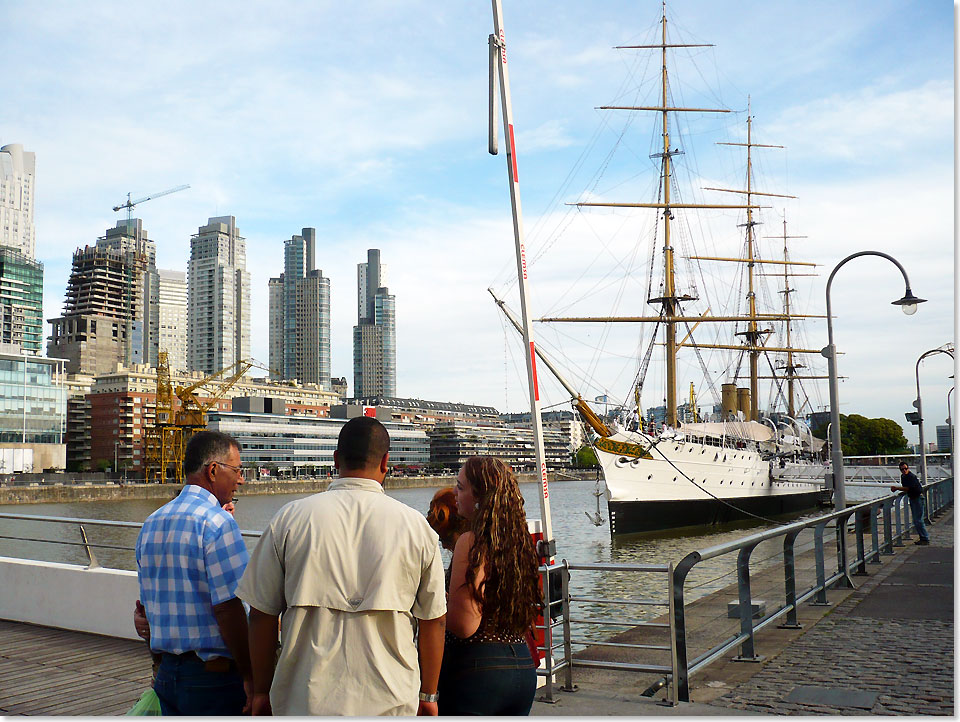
[{"x": 190, "y": 557}]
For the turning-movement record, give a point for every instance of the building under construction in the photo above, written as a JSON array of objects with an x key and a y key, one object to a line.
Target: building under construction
[{"x": 111, "y": 312}]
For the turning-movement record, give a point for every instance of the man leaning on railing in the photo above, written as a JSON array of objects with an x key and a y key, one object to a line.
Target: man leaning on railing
[{"x": 911, "y": 484}]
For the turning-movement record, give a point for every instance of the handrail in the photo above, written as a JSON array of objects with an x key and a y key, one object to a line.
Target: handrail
[
  {"x": 939, "y": 495},
  {"x": 98, "y": 522}
]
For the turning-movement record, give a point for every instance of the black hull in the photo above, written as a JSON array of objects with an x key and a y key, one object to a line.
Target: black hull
[{"x": 634, "y": 517}]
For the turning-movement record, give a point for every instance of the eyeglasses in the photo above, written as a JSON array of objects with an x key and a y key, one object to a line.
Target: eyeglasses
[{"x": 239, "y": 469}]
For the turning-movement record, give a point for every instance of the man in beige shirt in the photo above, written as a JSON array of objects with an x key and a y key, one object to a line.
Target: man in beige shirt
[{"x": 344, "y": 575}]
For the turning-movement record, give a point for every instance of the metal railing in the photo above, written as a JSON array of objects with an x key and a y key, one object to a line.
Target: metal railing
[
  {"x": 889, "y": 516},
  {"x": 84, "y": 542},
  {"x": 560, "y": 615},
  {"x": 871, "y": 514}
]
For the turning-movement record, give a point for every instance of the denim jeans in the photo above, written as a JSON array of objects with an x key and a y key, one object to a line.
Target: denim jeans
[
  {"x": 487, "y": 678},
  {"x": 185, "y": 687},
  {"x": 916, "y": 511}
]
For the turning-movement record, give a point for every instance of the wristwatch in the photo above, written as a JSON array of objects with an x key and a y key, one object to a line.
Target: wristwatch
[{"x": 433, "y": 697}]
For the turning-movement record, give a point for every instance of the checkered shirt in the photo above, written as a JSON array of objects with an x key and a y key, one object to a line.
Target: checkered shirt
[{"x": 190, "y": 557}]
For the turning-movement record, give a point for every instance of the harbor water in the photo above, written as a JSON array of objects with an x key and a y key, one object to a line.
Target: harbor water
[{"x": 578, "y": 541}]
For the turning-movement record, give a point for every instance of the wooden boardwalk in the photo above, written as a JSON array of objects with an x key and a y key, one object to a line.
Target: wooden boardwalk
[{"x": 45, "y": 671}]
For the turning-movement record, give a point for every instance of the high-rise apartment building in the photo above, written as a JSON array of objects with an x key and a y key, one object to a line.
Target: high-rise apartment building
[
  {"x": 111, "y": 312},
  {"x": 21, "y": 303},
  {"x": 17, "y": 189},
  {"x": 300, "y": 314},
  {"x": 173, "y": 317},
  {"x": 218, "y": 297},
  {"x": 375, "y": 335}
]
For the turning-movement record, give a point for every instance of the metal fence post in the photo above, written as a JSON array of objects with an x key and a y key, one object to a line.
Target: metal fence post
[
  {"x": 887, "y": 527},
  {"x": 821, "y": 600},
  {"x": 674, "y": 695},
  {"x": 682, "y": 678},
  {"x": 861, "y": 552},
  {"x": 897, "y": 509},
  {"x": 874, "y": 533},
  {"x": 568, "y": 685},
  {"x": 92, "y": 562},
  {"x": 547, "y": 639},
  {"x": 907, "y": 519},
  {"x": 747, "y": 652},
  {"x": 790, "y": 581}
]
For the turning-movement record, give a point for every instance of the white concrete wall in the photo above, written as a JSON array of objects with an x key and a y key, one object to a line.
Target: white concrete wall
[{"x": 68, "y": 596}]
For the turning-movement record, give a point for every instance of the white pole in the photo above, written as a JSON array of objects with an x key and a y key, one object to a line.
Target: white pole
[{"x": 498, "y": 44}]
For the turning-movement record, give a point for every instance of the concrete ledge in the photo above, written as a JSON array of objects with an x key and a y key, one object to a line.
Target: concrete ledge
[{"x": 68, "y": 596}]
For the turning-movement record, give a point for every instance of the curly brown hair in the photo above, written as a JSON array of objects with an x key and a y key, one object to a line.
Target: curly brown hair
[
  {"x": 509, "y": 595},
  {"x": 444, "y": 519}
]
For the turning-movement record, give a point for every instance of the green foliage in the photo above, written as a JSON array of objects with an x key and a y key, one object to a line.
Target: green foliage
[
  {"x": 585, "y": 458},
  {"x": 860, "y": 436}
]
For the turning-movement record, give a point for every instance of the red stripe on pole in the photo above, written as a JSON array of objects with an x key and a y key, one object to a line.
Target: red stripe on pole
[
  {"x": 513, "y": 156},
  {"x": 533, "y": 365}
]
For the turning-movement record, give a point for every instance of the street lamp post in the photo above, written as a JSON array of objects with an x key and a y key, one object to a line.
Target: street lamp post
[
  {"x": 947, "y": 349},
  {"x": 909, "y": 306}
]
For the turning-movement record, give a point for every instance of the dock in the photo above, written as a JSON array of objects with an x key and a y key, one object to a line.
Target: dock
[{"x": 886, "y": 647}]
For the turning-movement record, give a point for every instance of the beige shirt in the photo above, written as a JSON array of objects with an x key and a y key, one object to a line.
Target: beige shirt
[{"x": 349, "y": 569}]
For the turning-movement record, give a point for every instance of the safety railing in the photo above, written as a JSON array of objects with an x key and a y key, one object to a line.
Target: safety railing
[
  {"x": 565, "y": 613},
  {"x": 867, "y": 519},
  {"x": 83, "y": 541},
  {"x": 877, "y": 527}
]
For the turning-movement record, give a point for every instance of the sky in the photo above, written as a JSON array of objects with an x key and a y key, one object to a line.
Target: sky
[{"x": 368, "y": 121}]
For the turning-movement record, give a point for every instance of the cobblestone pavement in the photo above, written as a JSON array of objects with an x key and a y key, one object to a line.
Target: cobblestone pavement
[{"x": 888, "y": 648}]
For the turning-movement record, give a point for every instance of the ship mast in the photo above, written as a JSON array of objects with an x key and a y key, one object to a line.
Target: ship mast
[{"x": 671, "y": 312}]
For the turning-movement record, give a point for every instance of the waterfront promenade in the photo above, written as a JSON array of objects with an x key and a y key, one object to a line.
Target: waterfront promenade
[{"x": 884, "y": 648}]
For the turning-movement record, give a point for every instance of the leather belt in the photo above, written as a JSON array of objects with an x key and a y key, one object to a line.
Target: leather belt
[{"x": 214, "y": 664}]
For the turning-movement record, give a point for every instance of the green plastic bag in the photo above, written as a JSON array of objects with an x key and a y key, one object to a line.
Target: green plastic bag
[{"x": 147, "y": 705}]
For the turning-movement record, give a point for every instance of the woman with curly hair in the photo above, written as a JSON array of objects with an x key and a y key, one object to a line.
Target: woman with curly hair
[{"x": 493, "y": 598}]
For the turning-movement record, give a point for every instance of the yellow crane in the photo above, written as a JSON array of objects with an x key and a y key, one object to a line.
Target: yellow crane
[{"x": 168, "y": 438}]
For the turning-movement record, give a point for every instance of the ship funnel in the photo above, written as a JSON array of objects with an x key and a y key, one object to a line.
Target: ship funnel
[
  {"x": 743, "y": 403},
  {"x": 728, "y": 401}
]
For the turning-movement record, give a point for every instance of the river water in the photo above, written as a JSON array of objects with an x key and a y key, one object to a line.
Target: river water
[{"x": 578, "y": 541}]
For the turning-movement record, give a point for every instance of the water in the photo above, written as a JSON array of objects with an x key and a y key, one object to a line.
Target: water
[{"x": 578, "y": 541}]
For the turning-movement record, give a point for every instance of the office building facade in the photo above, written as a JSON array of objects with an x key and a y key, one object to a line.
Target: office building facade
[
  {"x": 18, "y": 172},
  {"x": 375, "y": 335},
  {"x": 218, "y": 297},
  {"x": 21, "y": 303},
  {"x": 33, "y": 404},
  {"x": 300, "y": 314}
]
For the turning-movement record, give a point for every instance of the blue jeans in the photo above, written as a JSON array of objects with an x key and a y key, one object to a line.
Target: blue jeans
[
  {"x": 916, "y": 511},
  {"x": 185, "y": 687},
  {"x": 486, "y": 678}
]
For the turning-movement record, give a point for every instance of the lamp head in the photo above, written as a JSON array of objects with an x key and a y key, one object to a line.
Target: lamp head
[{"x": 908, "y": 304}]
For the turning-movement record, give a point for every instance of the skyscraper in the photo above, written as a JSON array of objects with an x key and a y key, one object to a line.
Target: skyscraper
[
  {"x": 218, "y": 297},
  {"x": 110, "y": 314},
  {"x": 21, "y": 303},
  {"x": 375, "y": 335},
  {"x": 173, "y": 317},
  {"x": 17, "y": 188},
  {"x": 300, "y": 314}
]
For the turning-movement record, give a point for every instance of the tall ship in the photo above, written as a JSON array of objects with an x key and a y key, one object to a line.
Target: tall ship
[{"x": 740, "y": 462}]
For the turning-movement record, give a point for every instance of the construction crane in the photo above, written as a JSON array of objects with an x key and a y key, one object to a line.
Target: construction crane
[
  {"x": 173, "y": 429},
  {"x": 129, "y": 204}
]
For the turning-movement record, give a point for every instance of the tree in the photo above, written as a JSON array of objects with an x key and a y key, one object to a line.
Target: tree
[
  {"x": 860, "y": 436},
  {"x": 585, "y": 457}
]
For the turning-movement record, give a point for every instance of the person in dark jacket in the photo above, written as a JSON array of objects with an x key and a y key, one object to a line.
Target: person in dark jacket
[{"x": 911, "y": 484}]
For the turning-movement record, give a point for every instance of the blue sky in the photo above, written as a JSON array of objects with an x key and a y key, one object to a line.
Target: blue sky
[{"x": 368, "y": 121}]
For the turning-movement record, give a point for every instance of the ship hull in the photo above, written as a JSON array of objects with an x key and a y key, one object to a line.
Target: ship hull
[
  {"x": 658, "y": 484},
  {"x": 634, "y": 517}
]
